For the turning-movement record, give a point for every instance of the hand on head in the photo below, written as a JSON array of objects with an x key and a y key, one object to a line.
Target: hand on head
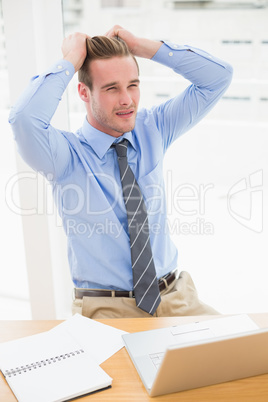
[
  {"x": 140, "y": 47},
  {"x": 74, "y": 49},
  {"x": 130, "y": 39}
]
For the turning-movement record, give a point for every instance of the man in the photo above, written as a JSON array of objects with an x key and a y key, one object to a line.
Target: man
[{"x": 107, "y": 177}]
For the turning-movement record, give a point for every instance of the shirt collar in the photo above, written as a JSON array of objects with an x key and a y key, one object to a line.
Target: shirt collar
[{"x": 101, "y": 142}]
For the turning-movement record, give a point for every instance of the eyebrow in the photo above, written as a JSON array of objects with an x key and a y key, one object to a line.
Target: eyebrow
[{"x": 111, "y": 84}]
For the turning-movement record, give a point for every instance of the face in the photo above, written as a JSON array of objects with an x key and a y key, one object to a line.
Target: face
[{"x": 112, "y": 104}]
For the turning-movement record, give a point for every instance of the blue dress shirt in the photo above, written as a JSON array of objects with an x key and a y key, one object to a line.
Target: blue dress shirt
[{"x": 83, "y": 169}]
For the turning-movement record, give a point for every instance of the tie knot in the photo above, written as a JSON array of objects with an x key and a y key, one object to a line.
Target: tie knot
[{"x": 121, "y": 148}]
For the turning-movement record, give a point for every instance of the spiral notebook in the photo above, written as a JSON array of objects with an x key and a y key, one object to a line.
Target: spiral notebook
[{"x": 50, "y": 367}]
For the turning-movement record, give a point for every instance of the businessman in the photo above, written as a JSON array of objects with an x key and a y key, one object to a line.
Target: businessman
[{"x": 107, "y": 177}]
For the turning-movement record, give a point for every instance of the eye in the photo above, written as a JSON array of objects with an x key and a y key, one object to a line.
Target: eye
[
  {"x": 111, "y": 88},
  {"x": 133, "y": 86}
]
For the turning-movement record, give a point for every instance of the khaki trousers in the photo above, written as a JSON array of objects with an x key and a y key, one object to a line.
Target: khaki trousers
[{"x": 178, "y": 299}]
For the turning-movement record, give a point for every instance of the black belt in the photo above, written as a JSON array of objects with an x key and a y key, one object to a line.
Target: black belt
[{"x": 163, "y": 283}]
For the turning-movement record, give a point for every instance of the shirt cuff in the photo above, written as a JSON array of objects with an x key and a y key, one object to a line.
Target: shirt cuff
[{"x": 63, "y": 68}]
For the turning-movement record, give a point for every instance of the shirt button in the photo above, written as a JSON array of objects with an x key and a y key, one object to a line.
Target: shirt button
[
  {"x": 59, "y": 67},
  {"x": 67, "y": 72},
  {"x": 170, "y": 54}
]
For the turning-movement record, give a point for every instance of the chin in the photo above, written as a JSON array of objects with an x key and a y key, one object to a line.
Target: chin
[
  {"x": 130, "y": 127},
  {"x": 124, "y": 128}
]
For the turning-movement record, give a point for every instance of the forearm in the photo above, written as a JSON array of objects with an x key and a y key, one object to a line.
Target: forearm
[
  {"x": 146, "y": 48},
  {"x": 209, "y": 77},
  {"x": 205, "y": 71},
  {"x": 41, "y": 98}
]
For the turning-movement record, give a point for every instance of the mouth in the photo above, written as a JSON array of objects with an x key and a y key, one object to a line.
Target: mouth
[{"x": 124, "y": 114}]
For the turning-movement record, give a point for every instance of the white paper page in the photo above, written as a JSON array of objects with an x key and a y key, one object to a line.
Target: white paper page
[
  {"x": 50, "y": 366},
  {"x": 100, "y": 340},
  {"x": 60, "y": 381}
]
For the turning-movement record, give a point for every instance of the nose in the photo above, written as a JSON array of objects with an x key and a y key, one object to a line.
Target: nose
[{"x": 125, "y": 98}]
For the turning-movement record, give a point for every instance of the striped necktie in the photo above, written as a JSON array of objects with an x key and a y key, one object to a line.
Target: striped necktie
[{"x": 145, "y": 283}]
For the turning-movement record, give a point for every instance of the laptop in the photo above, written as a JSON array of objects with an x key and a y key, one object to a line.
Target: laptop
[{"x": 202, "y": 353}]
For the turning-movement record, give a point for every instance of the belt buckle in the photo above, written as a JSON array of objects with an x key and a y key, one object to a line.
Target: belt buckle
[{"x": 163, "y": 279}]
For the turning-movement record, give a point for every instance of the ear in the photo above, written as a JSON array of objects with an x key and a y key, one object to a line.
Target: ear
[{"x": 83, "y": 91}]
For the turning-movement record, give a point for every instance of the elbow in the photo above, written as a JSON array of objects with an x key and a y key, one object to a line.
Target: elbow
[
  {"x": 222, "y": 82},
  {"x": 18, "y": 118},
  {"x": 228, "y": 76},
  {"x": 20, "y": 123},
  {"x": 25, "y": 123},
  {"x": 12, "y": 116}
]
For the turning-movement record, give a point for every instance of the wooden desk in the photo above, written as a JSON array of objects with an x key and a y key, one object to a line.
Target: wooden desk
[{"x": 127, "y": 385}]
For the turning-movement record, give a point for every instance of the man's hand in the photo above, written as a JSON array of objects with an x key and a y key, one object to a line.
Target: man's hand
[
  {"x": 74, "y": 49},
  {"x": 140, "y": 47}
]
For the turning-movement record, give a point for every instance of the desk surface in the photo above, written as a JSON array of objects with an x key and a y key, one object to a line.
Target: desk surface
[{"x": 127, "y": 385}]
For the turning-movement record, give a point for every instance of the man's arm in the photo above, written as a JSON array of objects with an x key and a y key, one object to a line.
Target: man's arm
[
  {"x": 209, "y": 76},
  {"x": 41, "y": 145}
]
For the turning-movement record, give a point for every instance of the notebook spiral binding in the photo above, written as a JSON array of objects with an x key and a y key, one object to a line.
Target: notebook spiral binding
[{"x": 33, "y": 366}]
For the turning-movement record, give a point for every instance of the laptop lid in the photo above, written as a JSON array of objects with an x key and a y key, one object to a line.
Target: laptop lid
[{"x": 212, "y": 362}]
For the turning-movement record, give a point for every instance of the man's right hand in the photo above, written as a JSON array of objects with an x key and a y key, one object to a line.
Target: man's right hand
[{"x": 74, "y": 49}]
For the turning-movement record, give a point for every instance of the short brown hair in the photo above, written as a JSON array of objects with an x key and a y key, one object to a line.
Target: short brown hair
[{"x": 102, "y": 47}]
